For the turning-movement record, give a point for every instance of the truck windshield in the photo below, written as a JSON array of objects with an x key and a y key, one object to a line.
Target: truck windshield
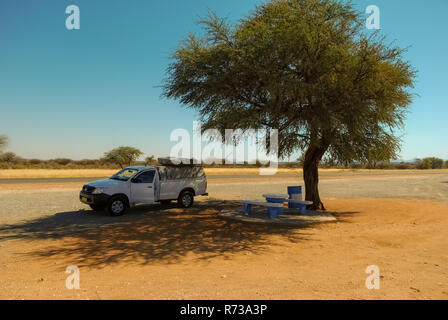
[{"x": 124, "y": 174}]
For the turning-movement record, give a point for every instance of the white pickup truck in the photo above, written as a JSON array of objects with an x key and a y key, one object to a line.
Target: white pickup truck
[{"x": 146, "y": 185}]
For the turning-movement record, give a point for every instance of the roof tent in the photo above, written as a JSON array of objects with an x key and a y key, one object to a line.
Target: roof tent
[{"x": 178, "y": 162}]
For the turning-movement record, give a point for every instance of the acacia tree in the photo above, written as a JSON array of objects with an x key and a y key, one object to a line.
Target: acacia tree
[
  {"x": 123, "y": 156},
  {"x": 305, "y": 67},
  {"x": 379, "y": 153},
  {"x": 8, "y": 157}
]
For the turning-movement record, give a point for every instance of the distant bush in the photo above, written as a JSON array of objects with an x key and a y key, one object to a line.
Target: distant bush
[
  {"x": 431, "y": 163},
  {"x": 87, "y": 162},
  {"x": 9, "y": 160},
  {"x": 384, "y": 165},
  {"x": 357, "y": 165},
  {"x": 62, "y": 161},
  {"x": 8, "y": 157},
  {"x": 34, "y": 161},
  {"x": 404, "y": 166}
]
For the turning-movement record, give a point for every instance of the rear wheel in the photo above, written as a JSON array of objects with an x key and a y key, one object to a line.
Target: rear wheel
[
  {"x": 97, "y": 207},
  {"x": 117, "y": 206},
  {"x": 186, "y": 199}
]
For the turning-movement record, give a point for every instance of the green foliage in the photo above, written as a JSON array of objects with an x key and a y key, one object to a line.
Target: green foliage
[
  {"x": 305, "y": 67},
  {"x": 380, "y": 153},
  {"x": 328, "y": 162},
  {"x": 301, "y": 160},
  {"x": 403, "y": 166},
  {"x": 35, "y": 161},
  {"x": 431, "y": 163},
  {"x": 88, "y": 162},
  {"x": 62, "y": 161},
  {"x": 123, "y": 156},
  {"x": 8, "y": 157}
]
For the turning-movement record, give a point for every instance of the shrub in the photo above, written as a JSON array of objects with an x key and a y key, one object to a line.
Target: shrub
[
  {"x": 8, "y": 157},
  {"x": 87, "y": 162},
  {"x": 431, "y": 163},
  {"x": 384, "y": 165},
  {"x": 403, "y": 165},
  {"x": 35, "y": 161},
  {"x": 62, "y": 161}
]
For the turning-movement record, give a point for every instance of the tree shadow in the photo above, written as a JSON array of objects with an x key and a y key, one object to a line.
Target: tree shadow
[
  {"x": 341, "y": 216},
  {"x": 147, "y": 234}
]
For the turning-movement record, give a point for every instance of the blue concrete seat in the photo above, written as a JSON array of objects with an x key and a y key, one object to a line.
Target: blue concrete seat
[
  {"x": 298, "y": 204},
  {"x": 274, "y": 209}
]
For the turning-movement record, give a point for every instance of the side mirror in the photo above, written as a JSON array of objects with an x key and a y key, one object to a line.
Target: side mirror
[{"x": 135, "y": 180}]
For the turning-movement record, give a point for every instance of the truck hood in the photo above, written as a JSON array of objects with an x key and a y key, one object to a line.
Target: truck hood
[{"x": 105, "y": 183}]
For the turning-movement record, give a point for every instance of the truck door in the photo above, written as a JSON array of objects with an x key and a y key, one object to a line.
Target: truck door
[{"x": 144, "y": 187}]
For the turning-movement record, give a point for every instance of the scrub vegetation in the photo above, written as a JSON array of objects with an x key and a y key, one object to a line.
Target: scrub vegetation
[{"x": 127, "y": 156}]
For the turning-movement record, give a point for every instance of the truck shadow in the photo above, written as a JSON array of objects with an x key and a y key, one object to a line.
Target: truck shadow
[{"x": 147, "y": 234}]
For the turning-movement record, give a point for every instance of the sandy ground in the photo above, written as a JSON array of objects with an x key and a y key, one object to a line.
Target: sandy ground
[{"x": 157, "y": 252}]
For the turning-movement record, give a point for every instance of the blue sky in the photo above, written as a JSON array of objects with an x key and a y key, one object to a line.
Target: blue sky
[{"x": 79, "y": 93}]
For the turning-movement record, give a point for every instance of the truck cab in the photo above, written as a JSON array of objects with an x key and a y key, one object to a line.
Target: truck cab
[{"x": 146, "y": 185}]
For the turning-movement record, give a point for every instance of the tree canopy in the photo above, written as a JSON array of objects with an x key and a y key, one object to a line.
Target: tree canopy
[
  {"x": 305, "y": 67},
  {"x": 8, "y": 157},
  {"x": 123, "y": 156}
]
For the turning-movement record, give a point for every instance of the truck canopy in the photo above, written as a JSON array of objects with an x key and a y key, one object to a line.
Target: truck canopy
[
  {"x": 178, "y": 162},
  {"x": 180, "y": 172}
]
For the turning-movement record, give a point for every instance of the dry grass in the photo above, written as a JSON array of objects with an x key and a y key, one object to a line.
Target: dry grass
[
  {"x": 93, "y": 173},
  {"x": 54, "y": 173},
  {"x": 242, "y": 171}
]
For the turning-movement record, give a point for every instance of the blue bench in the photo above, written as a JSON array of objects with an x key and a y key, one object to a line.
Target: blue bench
[
  {"x": 274, "y": 209},
  {"x": 298, "y": 204}
]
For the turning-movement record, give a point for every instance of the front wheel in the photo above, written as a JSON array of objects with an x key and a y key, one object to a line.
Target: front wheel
[
  {"x": 117, "y": 206},
  {"x": 186, "y": 199}
]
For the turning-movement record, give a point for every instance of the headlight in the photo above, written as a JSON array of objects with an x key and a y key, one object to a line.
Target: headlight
[{"x": 97, "y": 191}]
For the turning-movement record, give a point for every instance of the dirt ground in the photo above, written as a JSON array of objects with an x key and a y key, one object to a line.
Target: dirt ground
[{"x": 159, "y": 252}]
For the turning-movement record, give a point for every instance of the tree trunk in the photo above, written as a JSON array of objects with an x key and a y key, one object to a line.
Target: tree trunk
[{"x": 311, "y": 175}]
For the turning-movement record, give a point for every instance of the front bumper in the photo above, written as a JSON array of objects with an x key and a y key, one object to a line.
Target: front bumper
[{"x": 94, "y": 199}]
